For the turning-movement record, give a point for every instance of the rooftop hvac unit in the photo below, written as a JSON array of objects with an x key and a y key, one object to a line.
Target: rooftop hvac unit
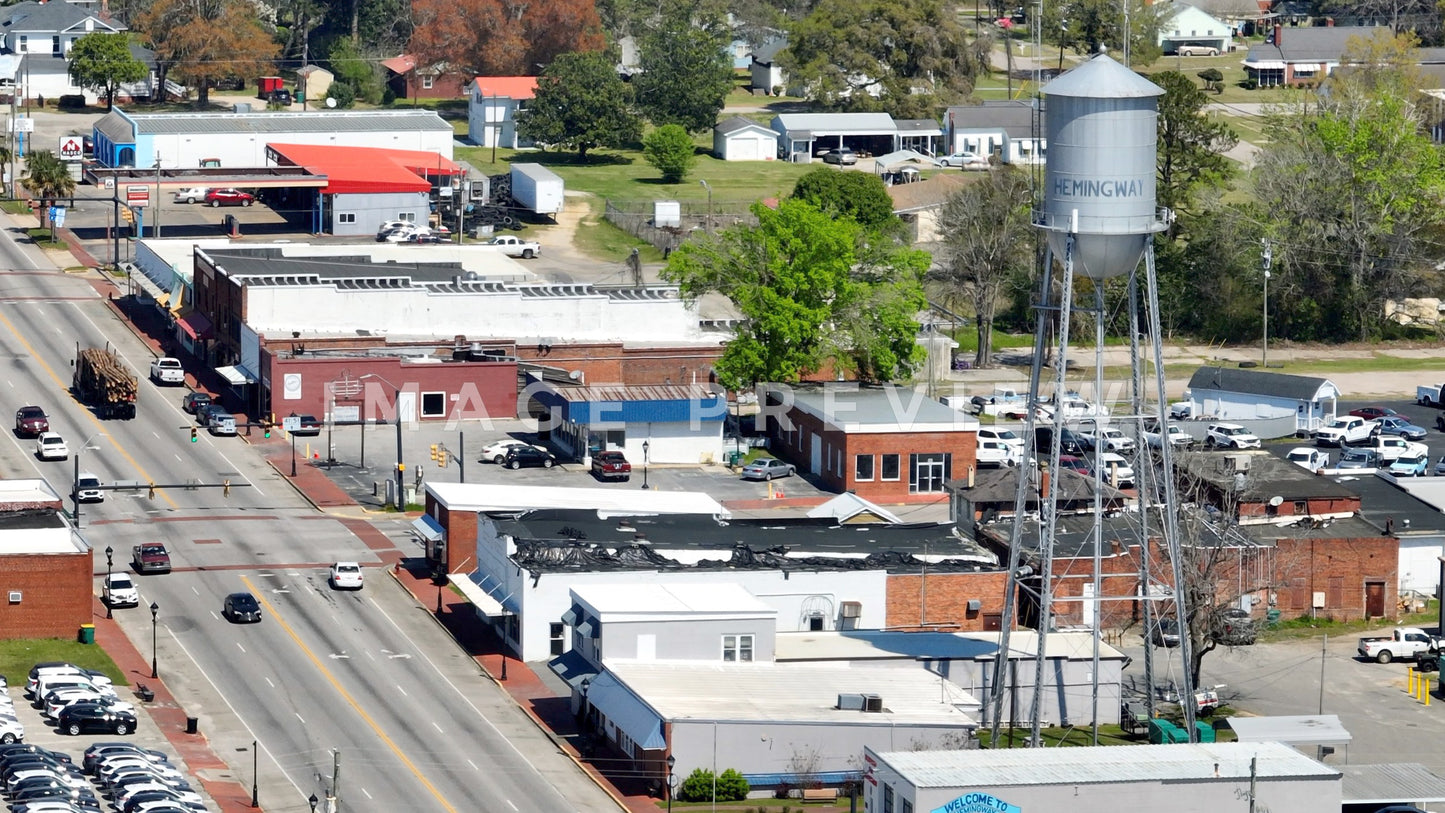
[
  {"x": 852, "y": 609},
  {"x": 850, "y": 702},
  {"x": 873, "y": 703}
]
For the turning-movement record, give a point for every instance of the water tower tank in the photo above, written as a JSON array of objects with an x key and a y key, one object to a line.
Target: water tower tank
[{"x": 1099, "y": 182}]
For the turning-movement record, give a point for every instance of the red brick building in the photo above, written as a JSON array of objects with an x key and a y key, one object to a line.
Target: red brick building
[
  {"x": 407, "y": 81},
  {"x": 884, "y": 443},
  {"x": 362, "y": 387},
  {"x": 45, "y": 567}
]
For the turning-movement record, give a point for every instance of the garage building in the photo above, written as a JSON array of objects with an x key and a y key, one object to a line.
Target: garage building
[
  {"x": 738, "y": 139},
  {"x": 1180, "y": 778},
  {"x": 804, "y": 135},
  {"x": 190, "y": 140},
  {"x": 1275, "y": 404}
]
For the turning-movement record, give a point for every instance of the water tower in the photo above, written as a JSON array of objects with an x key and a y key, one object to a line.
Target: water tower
[{"x": 1097, "y": 211}]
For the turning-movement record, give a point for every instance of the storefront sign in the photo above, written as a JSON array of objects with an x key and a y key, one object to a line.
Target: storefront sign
[{"x": 977, "y": 803}]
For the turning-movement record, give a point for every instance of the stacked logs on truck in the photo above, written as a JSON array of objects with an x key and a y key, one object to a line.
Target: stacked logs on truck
[{"x": 109, "y": 373}]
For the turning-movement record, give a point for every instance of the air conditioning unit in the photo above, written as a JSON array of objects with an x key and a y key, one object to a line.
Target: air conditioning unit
[
  {"x": 852, "y": 609},
  {"x": 1318, "y": 603},
  {"x": 15, "y": 596},
  {"x": 873, "y": 703},
  {"x": 850, "y": 702}
]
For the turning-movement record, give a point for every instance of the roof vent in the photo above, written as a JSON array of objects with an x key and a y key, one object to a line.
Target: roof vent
[
  {"x": 873, "y": 703},
  {"x": 850, "y": 702}
]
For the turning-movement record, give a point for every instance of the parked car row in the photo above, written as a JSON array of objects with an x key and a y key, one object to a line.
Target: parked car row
[
  {"x": 11, "y": 730},
  {"x": 134, "y": 779}
]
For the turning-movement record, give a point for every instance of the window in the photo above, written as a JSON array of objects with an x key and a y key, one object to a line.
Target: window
[
  {"x": 815, "y": 623},
  {"x": 905, "y": 806},
  {"x": 556, "y": 631},
  {"x": 426, "y": 82},
  {"x": 887, "y": 799},
  {"x": 346, "y": 217},
  {"x": 55, "y": 45},
  {"x": 863, "y": 468},
  {"x": 433, "y": 404},
  {"x": 24, "y": 46},
  {"x": 1301, "y": 508},
  {"x": 928, "y": 472},
  {"x": 890, "y": 467},
  {"x": 737, "y": 648},
  {"x": 409, "y": 217}
]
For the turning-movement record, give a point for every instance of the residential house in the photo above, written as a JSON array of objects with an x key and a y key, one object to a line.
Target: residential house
[
  {"x": 1005, "y": 129},
  {"x": 408, "y": 81},
  {"x": 738, "y": 139},
  {"x": 492, "y": 105},
  {"x": 1275, "y": 404},
  {"x": 43, "y": 33},
  {"x": 768, "y": 75},
  {"x": 1244, "y": 16},
  {"x": 919, "y": 204},
  {"x": 1299, "y": 56},
  {"x": 1182, "y": 25}
]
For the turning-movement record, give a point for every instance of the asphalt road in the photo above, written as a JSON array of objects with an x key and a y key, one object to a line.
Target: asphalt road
[{"x": 367, "y": 673}]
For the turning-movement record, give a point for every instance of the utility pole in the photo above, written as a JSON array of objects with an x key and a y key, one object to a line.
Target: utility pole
[
  {"x": 335, "y": 778},
  {"x": 156, "y": 229},
  {"x": 305, "y": 61},
  {"x": 1268, "y": 256}
]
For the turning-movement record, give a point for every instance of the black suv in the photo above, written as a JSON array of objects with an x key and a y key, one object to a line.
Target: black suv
[
  {"x": 83, "y": 717},
  {"x": 281, "y": 96},
  {"x": 195, "y": 402},
  {"x": 519, "y": 456},
  {"x": 241, "y": 607}
]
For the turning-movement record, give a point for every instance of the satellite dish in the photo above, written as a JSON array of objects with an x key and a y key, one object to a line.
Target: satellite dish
[
  {"x": 1276, "y": 501},
  {"x": 575, "y": 375},
  {"x": 330, "y": 101}
]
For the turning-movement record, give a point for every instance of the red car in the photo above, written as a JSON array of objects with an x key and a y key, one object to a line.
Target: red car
[
  {"x": 1375, "y": 413},
  {"x": 31, "y": 420},
  {"x": 229, "y": 197},
  {"x": 611, "y": 466}
]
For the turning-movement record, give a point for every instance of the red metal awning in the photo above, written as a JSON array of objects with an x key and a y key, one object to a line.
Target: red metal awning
[{"x": 195, "y": 324}]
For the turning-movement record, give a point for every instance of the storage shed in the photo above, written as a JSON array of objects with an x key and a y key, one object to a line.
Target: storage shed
[
  {"x": 1284, "y": 404},
  {"x": 738, "y": 139},
  {"x": 314, "y": 82}
]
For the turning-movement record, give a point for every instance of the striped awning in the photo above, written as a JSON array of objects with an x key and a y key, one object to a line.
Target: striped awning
[
  {"x": 1306, "y": 66},
  {"x": 1265, "y": 66}
]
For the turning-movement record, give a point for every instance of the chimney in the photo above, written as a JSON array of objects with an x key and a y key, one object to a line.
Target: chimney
[
  {"x": 970, "y": 476},
  {"x": 1117, "y": 548},
  {"x": 1278, "y": 33},
  {"x": 1044, "y": 485}
]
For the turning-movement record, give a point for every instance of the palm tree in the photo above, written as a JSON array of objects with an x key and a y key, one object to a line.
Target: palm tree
[{"x": 47, "y": 178}]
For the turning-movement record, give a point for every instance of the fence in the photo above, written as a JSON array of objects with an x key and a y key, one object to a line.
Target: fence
[{"x": 636, "y": 218}]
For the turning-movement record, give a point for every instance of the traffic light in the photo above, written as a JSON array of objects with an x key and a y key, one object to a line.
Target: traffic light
[
  {"x": 152, "y": 495},
  {"x": 194, "y": 436},
  {"x": 442, "y": 457},
  {"x": 434, "y": 451},
  {"x": 266, "y": 428},
  {"x": 226, "y": 488}
]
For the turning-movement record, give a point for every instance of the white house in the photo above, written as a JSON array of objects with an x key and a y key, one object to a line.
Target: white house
[
  {"x": 738, "y": 139},
  {"x": 1289, "y": 403},
  {"x": 1182, "y": 25},
  {"x": 1001, "y": 128},
  {"x": 43, "y": 33},
  {"x": 492, "y": 105},
  {"x": 768, "y": 76}
]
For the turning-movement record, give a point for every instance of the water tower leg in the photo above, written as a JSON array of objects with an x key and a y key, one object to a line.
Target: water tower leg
[{"x": 1148, "y": 486}]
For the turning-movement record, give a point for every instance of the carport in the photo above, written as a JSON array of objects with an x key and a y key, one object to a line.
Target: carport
[
  {"x": 1320, "y": 730},
  {"x": 1367, "y": 787},
  {"x": 803, "y": 135},
  {"x": 368, "y": 186}
]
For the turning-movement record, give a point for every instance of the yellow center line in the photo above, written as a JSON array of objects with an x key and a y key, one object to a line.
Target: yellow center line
[
  {"x": 335, "y": 684},
  {"x": 34, "y": 356}
]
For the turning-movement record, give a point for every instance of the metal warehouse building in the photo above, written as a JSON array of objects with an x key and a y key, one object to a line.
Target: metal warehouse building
[
  {"x": 1199, "y": 778},
  {"x": 190, "y": 140}
]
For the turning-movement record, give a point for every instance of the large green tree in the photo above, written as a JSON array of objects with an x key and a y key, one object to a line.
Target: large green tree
[
  {"x": 810, "y": 290},
  {"x": 859, "y": 196},
  {"x": 103, "y": 62},
  {"x": 899, "y": 56},
  {"x": 1085, "y": 26},
  {"x": 1192, "y": 144},
  {"x": 581, "y": 103},
  {"x": 988, "y": 243},
  {"x": 686, "y": 73},
  {"x": 203, "y": 41},
  {"x": 1354, "y": 186}
]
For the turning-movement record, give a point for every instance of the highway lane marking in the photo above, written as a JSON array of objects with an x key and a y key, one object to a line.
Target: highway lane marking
[
  {"x": 437, "y": 727},
  {"x": 361, "y": 712},
  {"x": 368, "y": 795},
  {"x": 194, "y": 590},
  {"x": 234, "y": 713},
  {"x": 237, "y": 469},
  {"x": 302, "y": 719},
  {"x": 509, "y": 801},
  {"x": 268, "y": 681},
  {"x": 400, "y": 689},
  {"x": 34, "y": 356},
  {"x": 238, "y": 646},
  {"x": 484, "y": 718},
  {"x": 474, "y": 765}
]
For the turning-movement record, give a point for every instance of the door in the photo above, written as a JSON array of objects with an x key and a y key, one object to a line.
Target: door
[
  {"x": 1374, "y": 599},
  {"x": 815, "y": 447},
  {"x": 744, "y": 149},
  {"x": 406, "y": 406}
]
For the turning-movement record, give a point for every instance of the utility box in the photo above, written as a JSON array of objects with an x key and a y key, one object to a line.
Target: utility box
[{"x": 666, "y": 214}]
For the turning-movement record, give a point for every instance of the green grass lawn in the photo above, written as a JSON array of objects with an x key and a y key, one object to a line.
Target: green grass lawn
[
  {"x": 17, "y": 656},
  {"x": 600, "y": 240}
]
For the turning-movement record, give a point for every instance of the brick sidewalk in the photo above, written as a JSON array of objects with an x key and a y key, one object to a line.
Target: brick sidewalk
[{"x": 168, "y": 715}]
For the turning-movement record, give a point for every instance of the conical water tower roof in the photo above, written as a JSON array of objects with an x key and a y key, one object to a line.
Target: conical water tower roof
[{"x": 1102, "y": 78}]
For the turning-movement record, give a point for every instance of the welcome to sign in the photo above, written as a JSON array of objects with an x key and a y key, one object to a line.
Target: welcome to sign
[{"x": 977, "y": 803}]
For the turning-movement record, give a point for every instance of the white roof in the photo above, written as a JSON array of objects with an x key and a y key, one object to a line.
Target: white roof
[
  {"x": 1383, "y": 784},
  {"x": 695, "y": 601},
  {"x": 883, "y": 644},
  {"x": 606, "y": 501},
  {"x": 26, "y": 492},
  {"x": 1101, "y": 764},
  {"x": 836, "y": 123},
  {"x": 848, "y": 505},
  {"x": 486, "y": 261},
  {"x": 1312, "y": 729},
  {"x": 772, "y": 692}
]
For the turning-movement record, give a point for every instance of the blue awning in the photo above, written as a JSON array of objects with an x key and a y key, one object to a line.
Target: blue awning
[
  {"x": 428, "y": 529},
  {"x": 572, "y": 668},
  {"x": 627, "y": 712}
]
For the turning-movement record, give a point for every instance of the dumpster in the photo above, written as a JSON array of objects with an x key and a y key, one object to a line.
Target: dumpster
[
  {"x": 1206, "y": 731},
  {"x": 1162, "y": 732},
  {"x": 735, "y": 459},
  {"x": 87, "y": 633}
]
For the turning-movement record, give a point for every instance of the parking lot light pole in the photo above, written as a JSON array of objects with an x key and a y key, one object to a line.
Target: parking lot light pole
[
  {"x": 75, "y": 483},
  {"x": 708, "y": 187},
  {"x": 155, "y": 609},
  {"x": 109, "y": 552},
  {"x": 645, "y": 447},
  {"x": 671, "y": 761}
]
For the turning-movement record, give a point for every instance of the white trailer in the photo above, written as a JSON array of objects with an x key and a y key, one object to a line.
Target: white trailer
[{"x": 537, "y": 188}]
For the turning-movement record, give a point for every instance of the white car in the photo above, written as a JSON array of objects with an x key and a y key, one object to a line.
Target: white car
[
  {"x": 11, "y": 730},
  {"x": 1107, "y": 437},
  {"x": 1230, "y": 436},
  {"x": 497, "y": 452},
  {"x": 1117, "y": 470},
  {"x": 1310, "y": 459},
  {"x": 346, "y": 576},
  {"x": 191, "y": 194},
  {"x": 51, "y": 446},
  {"x": 403, "y": 233},
  {"x": 963, "y": 160},
  {"x": 119, "y": 591},
  {"x": 996, "y": 453},
  {"x": 1001, "y": 435}
]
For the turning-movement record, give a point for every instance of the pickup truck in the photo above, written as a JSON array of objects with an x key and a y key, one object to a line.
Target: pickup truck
[
  {"x": 166, "y": 370},
  {"x": 1390, "y": 448},
  {"x": 151, "y": 557},
  {"x": 1346, "y": 429},
  {"x": 514, "y": 246},
  {"x": 1108, "y": 437},
  {"x": 1430, "y": 395},
  {"x": 1407, "y": 643},
  {"x": 611, "y": 466}
]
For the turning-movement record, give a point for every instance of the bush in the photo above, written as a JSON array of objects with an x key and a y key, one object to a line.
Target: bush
[
  {"x": 343, "y": 93},
  {"x": 731, "y": 787},
  {"x": 72, "y": 102},
  {"x": 669, "y": 149}
]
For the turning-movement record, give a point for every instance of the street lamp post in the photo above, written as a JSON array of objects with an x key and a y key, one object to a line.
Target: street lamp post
[
  {"x": 708, "y": 187},
  {"x": 671, "y": 761},
  {"x": 109, "y": 552},
  {"x": 645, "y": 447},
  {"x": 400, "y": 493},
  {"x": 255, "y": 771},
  {"x": 314, "y": 801},
  {"x": 584, "y": 686},
  {"x": 155, "y": 609}
]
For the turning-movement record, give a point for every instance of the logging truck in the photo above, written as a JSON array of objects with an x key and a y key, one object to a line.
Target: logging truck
[{"x": 104, "y": 382}]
